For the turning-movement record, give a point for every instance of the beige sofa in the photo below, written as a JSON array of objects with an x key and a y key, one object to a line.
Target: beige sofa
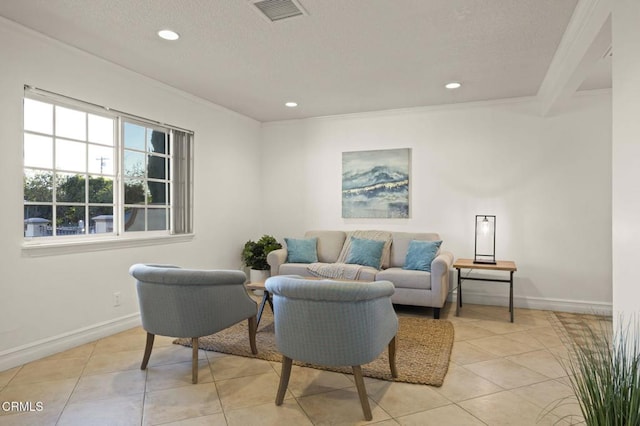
[{"x": 412, "y": 287}]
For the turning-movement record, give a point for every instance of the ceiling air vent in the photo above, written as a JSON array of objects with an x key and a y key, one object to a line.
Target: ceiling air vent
[{"x": 276, "y": 10}]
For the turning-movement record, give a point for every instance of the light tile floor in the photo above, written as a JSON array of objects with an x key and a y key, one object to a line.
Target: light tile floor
[{"x": 501, "y": 373}]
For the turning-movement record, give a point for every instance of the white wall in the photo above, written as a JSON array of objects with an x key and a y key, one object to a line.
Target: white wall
[
  {"x": 48, "y": 303},
  {"x": 548, "y": 180},
  {"x": 626, "y": 157}
]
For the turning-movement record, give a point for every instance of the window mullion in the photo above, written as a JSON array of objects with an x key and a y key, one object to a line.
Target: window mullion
[
  {"x": 87, "y": 219},
  {"x": 119, "y": 184},
  {"x": 54, "y": 192}
]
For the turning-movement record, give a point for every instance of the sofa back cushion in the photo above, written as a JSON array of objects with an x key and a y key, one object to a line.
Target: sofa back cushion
[
  {"x": 329, "y": 244},
  {"x": 401, "y": 242}
]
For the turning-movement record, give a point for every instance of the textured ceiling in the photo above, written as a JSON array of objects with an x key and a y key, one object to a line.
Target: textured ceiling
[{"x": 344, "y": 56}]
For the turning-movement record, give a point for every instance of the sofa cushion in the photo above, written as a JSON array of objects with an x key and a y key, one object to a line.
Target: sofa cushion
[
  {"x": 301, "y": 250},
  {"x": 365, "y": 252},
  {"x": 329, "y": 245},
  {"x": 404, "y": 278},
  {"x": 400, "y": 245},
  {"x": 369, "y": 235},
  {"x": 294, "y": 269},
  {"x": 421, "y": 254}
]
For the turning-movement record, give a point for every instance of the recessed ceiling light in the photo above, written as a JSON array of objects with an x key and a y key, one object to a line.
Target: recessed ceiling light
[
  {"x": 168, "y": 35},
  {"x": 291, "y": 104},
  {"x": 453, "y": 85}
]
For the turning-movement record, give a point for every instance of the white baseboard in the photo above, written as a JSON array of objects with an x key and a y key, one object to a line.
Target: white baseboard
[
  {"x": 545, "y": 304},
  {"x": 51, "y": 345}
]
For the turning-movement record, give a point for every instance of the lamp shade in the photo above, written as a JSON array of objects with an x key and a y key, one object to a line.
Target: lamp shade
[{"x": 485, "y": 240}]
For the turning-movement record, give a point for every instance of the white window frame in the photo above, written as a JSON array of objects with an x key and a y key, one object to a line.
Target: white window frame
[{"x": 61, "y": 244}]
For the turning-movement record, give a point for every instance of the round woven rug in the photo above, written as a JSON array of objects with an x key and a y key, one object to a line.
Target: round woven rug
[{"x": 423, "y": 349}]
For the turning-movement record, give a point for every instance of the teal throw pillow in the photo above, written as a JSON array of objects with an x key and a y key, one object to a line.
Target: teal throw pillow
[
  {"x": 365, "y": 252},
  {"x": 421, "y": 254},
  {"x": 302, "y": 250}
]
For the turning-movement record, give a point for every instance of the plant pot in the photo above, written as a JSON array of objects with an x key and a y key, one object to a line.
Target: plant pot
[{"x": 256, "y": 276}]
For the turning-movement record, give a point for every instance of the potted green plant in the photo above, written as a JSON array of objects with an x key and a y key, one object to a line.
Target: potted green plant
[{"x": 254, "y": 255}]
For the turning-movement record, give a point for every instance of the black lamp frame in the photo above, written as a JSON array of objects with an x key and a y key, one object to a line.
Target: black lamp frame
[{"x": 485, "y": 258}]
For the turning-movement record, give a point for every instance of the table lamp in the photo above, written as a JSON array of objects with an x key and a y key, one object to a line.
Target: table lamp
[{"x": 485, "y": 242}]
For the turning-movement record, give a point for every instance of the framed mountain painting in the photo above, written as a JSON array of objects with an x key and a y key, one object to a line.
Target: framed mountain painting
[{"x": 375, "y": 184}]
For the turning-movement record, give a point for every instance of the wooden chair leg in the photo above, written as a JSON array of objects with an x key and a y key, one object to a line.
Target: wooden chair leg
[
  {"x": 194, "y": 360},
  {"x": 362, "y": 392},
  {"x": 147, "y": 350},
  {"x": 253, "y": 326},
  {"x": 285, "y": 373},
  {"x": 392, "y": 357}
]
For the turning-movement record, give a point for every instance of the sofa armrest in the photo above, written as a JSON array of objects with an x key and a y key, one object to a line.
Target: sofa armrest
[
  {"x": 276, "y": 258},
  {"x": 440, "y": 268}
]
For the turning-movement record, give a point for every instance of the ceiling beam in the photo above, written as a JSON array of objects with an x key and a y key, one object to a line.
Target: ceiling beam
[{"x": 586, "y": 40}]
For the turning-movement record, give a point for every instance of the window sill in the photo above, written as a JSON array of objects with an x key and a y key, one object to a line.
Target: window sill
[{"x": 31, "y": 249}]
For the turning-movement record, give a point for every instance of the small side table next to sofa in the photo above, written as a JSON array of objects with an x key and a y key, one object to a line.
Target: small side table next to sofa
[
  {"x": 501, "y": 265},
  {"x": 266, "y": 297}
]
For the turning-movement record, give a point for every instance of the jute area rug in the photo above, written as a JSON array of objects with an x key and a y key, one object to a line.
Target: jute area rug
[{"x": 423, "y": 348}]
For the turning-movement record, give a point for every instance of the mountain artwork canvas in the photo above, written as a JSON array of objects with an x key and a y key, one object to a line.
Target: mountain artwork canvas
[{"x": 375, "y": 184}]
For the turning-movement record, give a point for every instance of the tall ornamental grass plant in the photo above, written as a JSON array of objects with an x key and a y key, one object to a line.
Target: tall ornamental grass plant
[{"x": 604, "y": 370}]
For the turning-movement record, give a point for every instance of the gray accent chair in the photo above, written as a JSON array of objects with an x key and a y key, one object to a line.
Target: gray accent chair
[
  {"x": 333, "y": 323},
  {"x": 191, "y": 303}
]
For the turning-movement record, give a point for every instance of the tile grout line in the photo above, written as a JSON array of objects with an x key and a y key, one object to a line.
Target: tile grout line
[
  {"x": 12, "y": 377},
  {"x": 471, "y": 414},
  {"x": 215, "y": 383},
  {"x": 144, "y": 395},
  {"x": 84, "y": 367}
]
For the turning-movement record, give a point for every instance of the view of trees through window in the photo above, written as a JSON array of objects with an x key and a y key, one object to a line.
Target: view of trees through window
[{"x": 38, "y": 187}]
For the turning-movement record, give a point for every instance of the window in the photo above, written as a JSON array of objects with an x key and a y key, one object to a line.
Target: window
[
  {"x": 146, "y": 178},
  {"x": 90, "y": 171}
]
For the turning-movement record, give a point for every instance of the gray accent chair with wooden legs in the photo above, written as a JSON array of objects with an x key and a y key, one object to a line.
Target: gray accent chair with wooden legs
[
  {"x": 191, "y": 303},
  {"x": 333, "y": 323}
]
